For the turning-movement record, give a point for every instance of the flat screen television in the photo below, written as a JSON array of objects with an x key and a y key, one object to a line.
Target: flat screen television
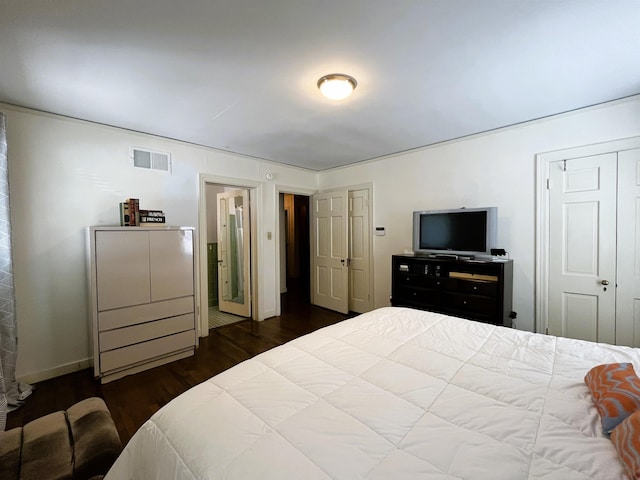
[{"x": 462, "y": 232}]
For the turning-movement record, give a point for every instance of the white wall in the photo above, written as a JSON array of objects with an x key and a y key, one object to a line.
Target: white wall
[
  {"x": 66, "y": 175},
  {"x": 493, "y": 169}
]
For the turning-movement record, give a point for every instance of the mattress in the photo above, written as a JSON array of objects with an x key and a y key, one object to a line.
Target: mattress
[{"x": 391, "y": 394}]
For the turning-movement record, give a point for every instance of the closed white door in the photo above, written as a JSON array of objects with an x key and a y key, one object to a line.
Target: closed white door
[
  {"x": 582, "y": 248},
  {"x": 628, "y": 282},
  {"x": 330, "y": 276},
  {"x": 359, "y": 251},
  {"x": 234, "y": 294}
]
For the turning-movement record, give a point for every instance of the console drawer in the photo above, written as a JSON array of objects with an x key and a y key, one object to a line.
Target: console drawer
[
  {"x": 473, "y": 303},
  {"x": 418, "y": 295},
  {"x": 441, "y": 283},
  {"x": 409, "y": 279},
  {"x": 488, "y": 289}
]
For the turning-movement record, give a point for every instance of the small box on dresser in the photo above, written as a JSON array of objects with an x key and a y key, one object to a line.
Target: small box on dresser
[{"x": 142, "y": 298}]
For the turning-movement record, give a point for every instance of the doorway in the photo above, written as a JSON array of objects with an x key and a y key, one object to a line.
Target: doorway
[
  {"x": 228, "y": 240},
  {"x": 295, "y": 249},
  {"x": 588, "y": 238}
]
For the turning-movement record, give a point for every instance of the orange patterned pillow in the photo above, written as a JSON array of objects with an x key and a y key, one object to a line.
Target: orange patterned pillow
[
  {"x": 615, "y": 389},
  {"x": 626, "y": 439}
]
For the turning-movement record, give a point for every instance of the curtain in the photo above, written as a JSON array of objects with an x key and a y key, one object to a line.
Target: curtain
[{"x": 12, "y": 393}]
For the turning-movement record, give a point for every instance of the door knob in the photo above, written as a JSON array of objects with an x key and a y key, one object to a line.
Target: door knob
[{"x": 605, "y": 282}]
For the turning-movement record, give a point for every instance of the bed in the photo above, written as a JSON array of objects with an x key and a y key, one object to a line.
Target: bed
[{"x": 391, "y": 394}]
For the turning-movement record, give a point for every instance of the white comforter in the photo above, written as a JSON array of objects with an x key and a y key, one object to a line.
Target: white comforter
[{"x": 391, "y": 394}]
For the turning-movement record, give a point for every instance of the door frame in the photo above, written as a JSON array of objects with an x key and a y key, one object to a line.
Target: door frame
[
  {"x": 255, "y": 193},
  {"x": 543, "y": 162}
]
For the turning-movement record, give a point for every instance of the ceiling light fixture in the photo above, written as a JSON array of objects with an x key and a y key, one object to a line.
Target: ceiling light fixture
[{"x": 337, "y": 86}]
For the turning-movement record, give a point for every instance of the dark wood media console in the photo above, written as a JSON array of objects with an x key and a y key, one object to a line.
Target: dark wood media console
[{"x": 478, "y": 290}]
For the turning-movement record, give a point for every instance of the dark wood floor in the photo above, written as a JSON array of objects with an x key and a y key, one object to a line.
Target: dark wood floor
[{"x": 133, "y": 399}]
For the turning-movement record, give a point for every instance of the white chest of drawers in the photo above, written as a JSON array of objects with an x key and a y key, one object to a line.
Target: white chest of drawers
[{"x": 142, "y": 298}]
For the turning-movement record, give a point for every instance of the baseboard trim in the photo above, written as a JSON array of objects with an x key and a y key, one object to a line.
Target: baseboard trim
[{"x": 58, "y": 371}]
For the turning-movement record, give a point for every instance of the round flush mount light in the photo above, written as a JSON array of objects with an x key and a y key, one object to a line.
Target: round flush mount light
[{"x": 337, "y": 86}]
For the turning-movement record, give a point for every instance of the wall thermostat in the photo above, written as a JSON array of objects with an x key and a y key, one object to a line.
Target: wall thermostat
[{"x": 380, "y": 231}]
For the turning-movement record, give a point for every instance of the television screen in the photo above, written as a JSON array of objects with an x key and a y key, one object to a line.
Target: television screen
[{"x": 464, "y": 232}]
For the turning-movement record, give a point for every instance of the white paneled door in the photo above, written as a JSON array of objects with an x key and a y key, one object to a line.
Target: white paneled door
[
  {"x": 330, "y": 276},
  {"x": 582, "y": 254},
  {"x": 359, "y": 251},
  {"x": 628, "y": 291},
  {"x": 594, "y": 248}
]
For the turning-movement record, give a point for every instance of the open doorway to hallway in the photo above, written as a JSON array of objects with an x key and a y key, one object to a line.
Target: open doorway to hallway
[{"x": 295, "y": 250}]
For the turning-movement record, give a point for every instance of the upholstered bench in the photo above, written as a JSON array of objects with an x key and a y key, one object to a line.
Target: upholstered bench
[{"x": 79, "y": 443}]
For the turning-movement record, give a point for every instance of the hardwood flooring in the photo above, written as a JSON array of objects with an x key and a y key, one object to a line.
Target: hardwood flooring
[{"x": 133, "y": 399}]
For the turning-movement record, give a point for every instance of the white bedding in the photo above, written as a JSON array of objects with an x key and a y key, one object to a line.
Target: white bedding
[{"x": 392, "y": 394}]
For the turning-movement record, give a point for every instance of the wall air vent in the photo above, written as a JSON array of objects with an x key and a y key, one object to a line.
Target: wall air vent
[{"x": 151, "y": 160}]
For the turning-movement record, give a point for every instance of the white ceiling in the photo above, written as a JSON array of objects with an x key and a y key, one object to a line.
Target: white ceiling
[{"x": 240, "y": 75}]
